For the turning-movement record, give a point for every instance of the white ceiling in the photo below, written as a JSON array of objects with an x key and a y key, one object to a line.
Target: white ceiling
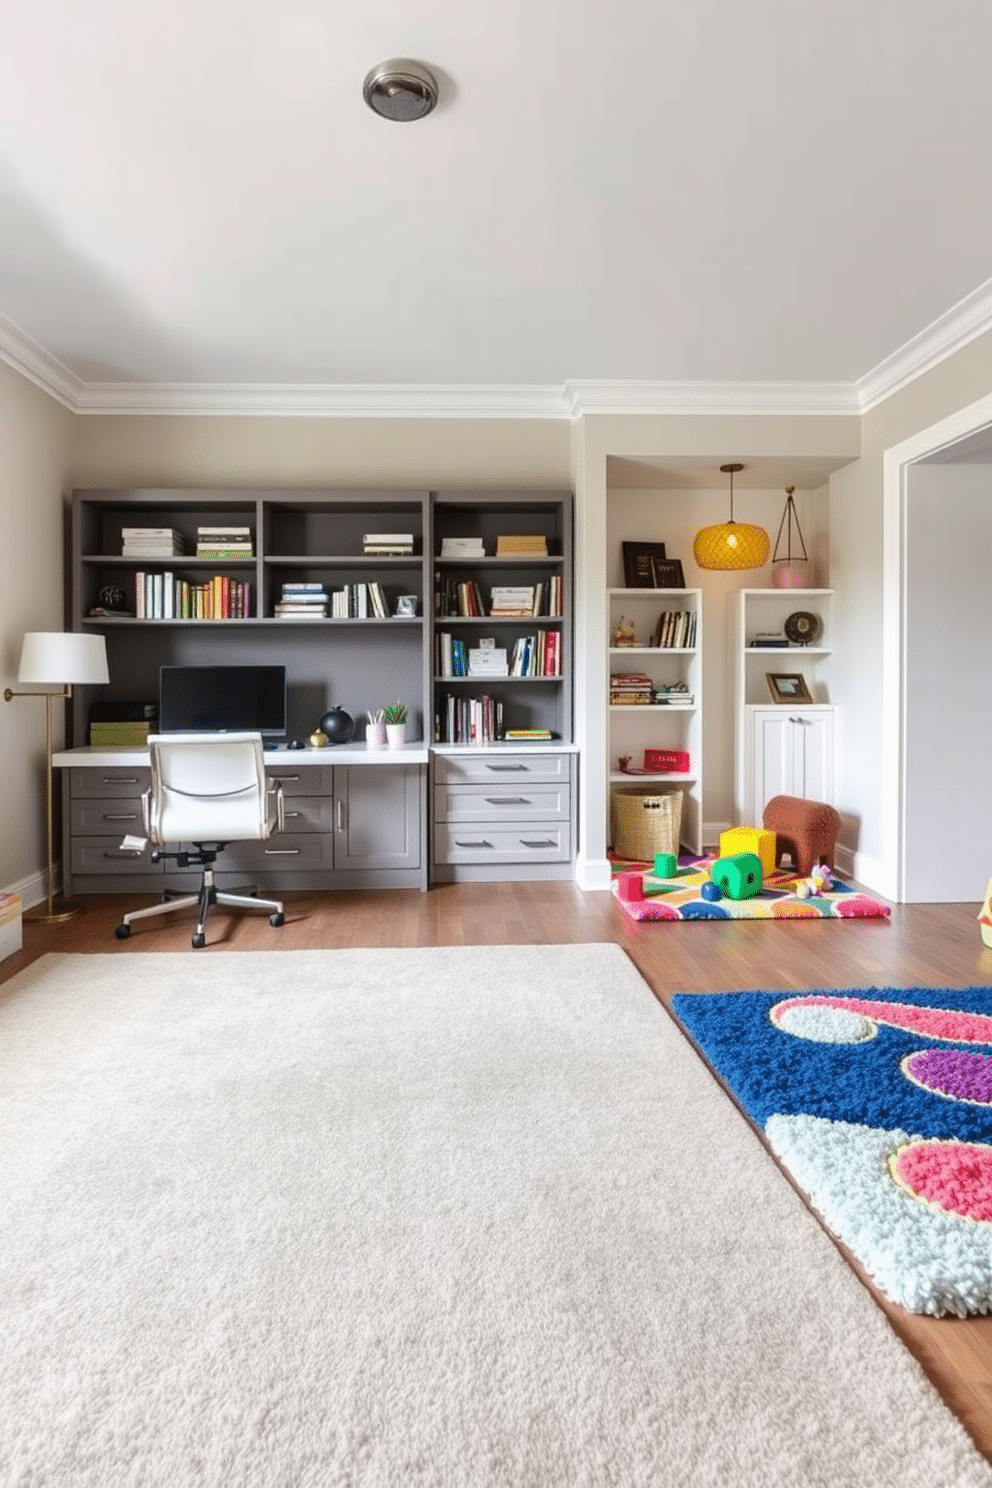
[{"x": 711, "y": 192}]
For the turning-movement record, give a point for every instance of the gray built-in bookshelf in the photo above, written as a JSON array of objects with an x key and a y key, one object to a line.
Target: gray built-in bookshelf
[{"x": 223, "y": 609}]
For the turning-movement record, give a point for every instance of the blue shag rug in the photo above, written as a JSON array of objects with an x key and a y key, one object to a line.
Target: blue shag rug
[{"x": 879, "y": 1104}]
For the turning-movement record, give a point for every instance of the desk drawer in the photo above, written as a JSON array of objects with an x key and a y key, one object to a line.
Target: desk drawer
[
  {"x": 302, "y": 780},
  {"x": 504, "y": 768},
  {"x": 287, "y": 852},
  {"x": 104, "y": 855},
  {"x": 498, "y": 803},
  {"x": 112, "y": 783},
  {"x": 93, "y": 815},
  {"x": 544, "y": 842},
  {"x": 305, "y": 814}
]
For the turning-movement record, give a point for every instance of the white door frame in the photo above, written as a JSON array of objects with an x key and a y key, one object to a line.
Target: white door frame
[{"x": 895, "y": 489}]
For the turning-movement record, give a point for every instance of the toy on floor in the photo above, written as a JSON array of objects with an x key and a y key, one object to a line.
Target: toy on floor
[
  {"x": 711, "y": 892},
  {"x": 750, "y": 839},
  {"x": 985, "y": 916},
  {"x": 738, "y": 876},
  {"x": 820, "y": 881},
  {"x": 666, "y": 865},
  {"x": 806, "y": 830}
]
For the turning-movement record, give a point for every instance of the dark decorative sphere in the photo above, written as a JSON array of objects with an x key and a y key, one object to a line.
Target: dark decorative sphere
[
  {"x": 112, "y": 597},
  {"x": 338, "y": 725}
]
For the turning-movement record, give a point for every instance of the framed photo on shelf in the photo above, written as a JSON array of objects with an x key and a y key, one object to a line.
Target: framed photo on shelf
[
  {"x": 667, "y": 573},
  {"x": 788, "y": 687},
  {"x": 637, "y": 560}
]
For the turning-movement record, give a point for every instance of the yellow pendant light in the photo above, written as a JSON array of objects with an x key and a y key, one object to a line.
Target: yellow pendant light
[{"x": 728, "y": 545}]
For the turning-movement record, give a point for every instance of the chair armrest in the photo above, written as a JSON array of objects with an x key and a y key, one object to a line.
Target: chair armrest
[{"x": 275, "y": 789}]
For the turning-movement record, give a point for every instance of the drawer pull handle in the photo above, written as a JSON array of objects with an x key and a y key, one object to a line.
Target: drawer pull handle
[
  {"x": 120, "y": 816},
  {"x": 282, "y": 852},
  {"x": 288, "y": 814},
  {"x": 284, "y": 779},
  {"x": 507, "y": 768},
  {"x": 483, "y": 843},
  {"x": 548, "y": 842},
  {"x": 119, "y": 780},
  {"x": 117, "y": 856},
  {"x": 507, "y": 801}
]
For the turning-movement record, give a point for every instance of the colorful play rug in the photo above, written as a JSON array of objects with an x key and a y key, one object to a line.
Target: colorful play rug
[
  {"x": 879, "y": 1104},
  {"x": 679, "y": 898}
]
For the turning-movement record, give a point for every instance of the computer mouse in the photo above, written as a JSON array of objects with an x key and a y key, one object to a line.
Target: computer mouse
[{"x": 296, "y": 744}]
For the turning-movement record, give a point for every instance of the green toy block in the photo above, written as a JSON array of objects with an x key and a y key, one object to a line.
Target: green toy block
[{"x": 739, "y": 876}]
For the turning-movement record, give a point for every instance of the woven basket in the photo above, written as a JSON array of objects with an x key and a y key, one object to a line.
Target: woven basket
[{"x": 645, "y": 822}]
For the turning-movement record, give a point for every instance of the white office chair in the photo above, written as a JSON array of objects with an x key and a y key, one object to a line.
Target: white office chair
[{"x": 207, "y": 790}]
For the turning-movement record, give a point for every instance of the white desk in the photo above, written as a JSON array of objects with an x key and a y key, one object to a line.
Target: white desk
[{"x": 110, "y": 756}]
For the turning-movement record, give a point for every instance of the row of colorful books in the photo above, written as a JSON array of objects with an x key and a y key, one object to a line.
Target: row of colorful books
[{"x": 164, "y": 596}]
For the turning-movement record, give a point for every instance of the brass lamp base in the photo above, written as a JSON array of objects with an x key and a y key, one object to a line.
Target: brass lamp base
[{"x": 62, "y": 909}]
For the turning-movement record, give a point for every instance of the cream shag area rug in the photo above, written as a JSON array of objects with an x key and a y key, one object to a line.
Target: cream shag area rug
[{"x": 459, "y": 1217}]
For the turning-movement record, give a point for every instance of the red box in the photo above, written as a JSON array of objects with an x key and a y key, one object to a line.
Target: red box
[{"x": 667, "y": 761}]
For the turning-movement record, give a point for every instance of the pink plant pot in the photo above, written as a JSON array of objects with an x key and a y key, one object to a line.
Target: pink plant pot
[{"x": 790, "y": 575}]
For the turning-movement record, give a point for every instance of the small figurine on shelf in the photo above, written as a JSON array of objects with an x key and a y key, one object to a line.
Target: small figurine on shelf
[{"x": 623, "y": 634}]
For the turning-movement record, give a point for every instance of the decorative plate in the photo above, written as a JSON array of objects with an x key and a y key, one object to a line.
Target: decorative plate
[{"x": 802, "y": 628}]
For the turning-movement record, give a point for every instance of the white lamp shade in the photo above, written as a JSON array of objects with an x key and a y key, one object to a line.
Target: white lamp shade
[{"x": 62, "y": 658}]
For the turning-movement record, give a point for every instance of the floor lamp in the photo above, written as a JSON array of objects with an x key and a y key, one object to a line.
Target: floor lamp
[{"x": 61, "y": 659}]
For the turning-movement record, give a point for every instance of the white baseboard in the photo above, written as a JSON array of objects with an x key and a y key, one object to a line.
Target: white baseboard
[
  {"x": 34, "y": 888},
  {"x": 593, "y": 873}
]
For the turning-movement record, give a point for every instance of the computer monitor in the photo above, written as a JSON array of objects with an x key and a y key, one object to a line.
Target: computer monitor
[{"x": 223, "y": 699}]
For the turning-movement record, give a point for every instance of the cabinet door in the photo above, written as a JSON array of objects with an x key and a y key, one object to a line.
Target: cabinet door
[
  {"x": 792, "y": 756},
  {"x": 377, "y": 817}
]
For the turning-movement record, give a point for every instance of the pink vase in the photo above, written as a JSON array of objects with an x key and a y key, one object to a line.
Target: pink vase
[
  {"x": 375, "y": 735},
  {"x": 790, "y": 575}
]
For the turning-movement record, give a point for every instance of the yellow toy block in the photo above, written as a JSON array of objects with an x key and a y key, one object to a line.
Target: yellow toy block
[{"x": 757, "y": 840}]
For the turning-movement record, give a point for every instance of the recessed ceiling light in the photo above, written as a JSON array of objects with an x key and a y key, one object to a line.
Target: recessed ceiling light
[{"x": 400, "y": 89}]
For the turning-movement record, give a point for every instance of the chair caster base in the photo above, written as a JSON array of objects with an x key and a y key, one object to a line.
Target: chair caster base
[{"x": 122, "y": 932}]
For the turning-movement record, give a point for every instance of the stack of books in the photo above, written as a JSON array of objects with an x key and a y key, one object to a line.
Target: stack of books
[
  {"x": 537, "y": 655},
  {"x": 163, "y": 596},
  {"x": 152, "y": 542},
  {"x": 302, "y": 602},
  {"x": 511, "y": 600},
  {"x": 535, "y": 735},
  {"x": 633, "y": 688},
  {"x": 487, "y": 661},
  {"x": 462, "y": 547},
  {"x": 676, "y": 694},
  {"x": 224, "y": 542},
  {"x": 387, "y": 544},
  {"x": 522, "y": 544}
]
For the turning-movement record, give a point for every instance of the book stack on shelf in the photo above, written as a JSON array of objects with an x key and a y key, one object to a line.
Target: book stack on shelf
[
  {"x": 468, "y": 548},
  {"x": 224, "y": 542},
  {"x": 533, "y": 735},
  {"x": 537, "y": 655},
  {"x": 487, "y": 660},
  {"x": 302, "y": 602},
  {"x": 631, "y": 689},
  {"x": 359, "y": 602},
  {"x": 675, "y": 694},
  {"x": 161, "y": 596},
  {"x": 522, "y": 545},
  {"x": 152, "y": 542},
  {"x": 387, "y": 544},
  {"x": 676, "y": 629},
  {"x": 507, "y": 601}
]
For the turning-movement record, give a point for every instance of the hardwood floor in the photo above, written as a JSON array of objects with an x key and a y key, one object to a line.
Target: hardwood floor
[{"x": 922, "y": 945}]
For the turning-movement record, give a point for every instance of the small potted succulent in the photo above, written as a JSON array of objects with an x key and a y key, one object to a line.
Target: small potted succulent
[
  {"x": 394, "y": 717},
  {"x": 375, "y": 729}
]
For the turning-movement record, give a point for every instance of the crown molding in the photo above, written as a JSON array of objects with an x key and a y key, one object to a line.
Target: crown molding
[
  {"x": 964, "y": 322},
  {"x": 37, "y": 365},
  {"x": 315, "y": 400},
  {"x": 618, "y": 398}
]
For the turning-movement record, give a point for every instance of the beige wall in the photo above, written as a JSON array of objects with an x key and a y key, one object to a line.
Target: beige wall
[
  {"x": 856, "y": 535},
  {"x": 489, "y": 454},
  {"x": 35, "y": 437}
]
